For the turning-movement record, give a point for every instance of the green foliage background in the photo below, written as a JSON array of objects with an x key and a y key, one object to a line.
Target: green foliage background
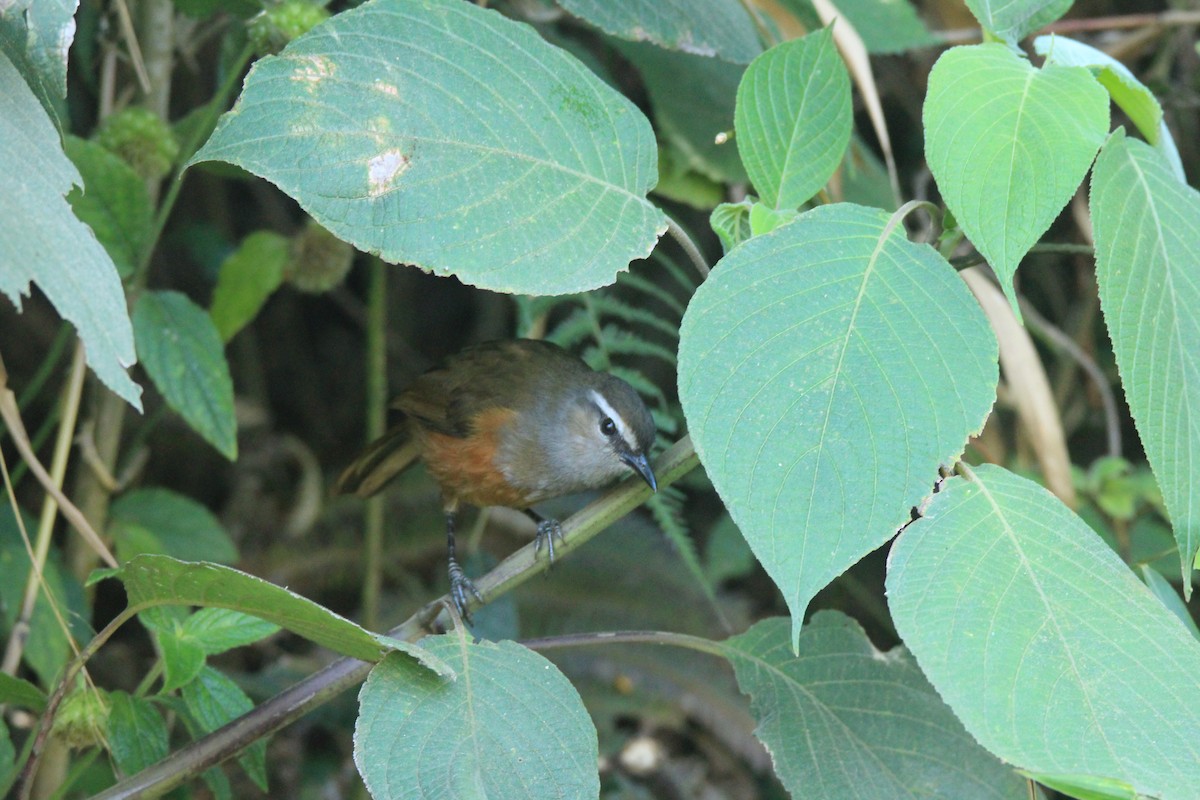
[{"x": 855, "y": 580}]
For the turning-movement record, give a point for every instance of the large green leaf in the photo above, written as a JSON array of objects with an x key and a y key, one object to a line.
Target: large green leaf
[
  {"x": 182, "y": 353},
  {"x": 826, "y": 372},
  {"x": 43, "y": 242},
  {"x": 693, "y": 101},
  {"x": 510, "y": 726},
  {"x": 444, "y": 135},
  {"x": 722, "y": 28},
  {"x": 158, "y": 580},
  {"x": 793, "y": 118},
  {"x": 1009, "y": 145},
  {"x": 1052, "y": 653},
  {"x": 843, "y": 719},
  {"x": 1013, "y": 20},
  {"x": 1147, "y": 231}
]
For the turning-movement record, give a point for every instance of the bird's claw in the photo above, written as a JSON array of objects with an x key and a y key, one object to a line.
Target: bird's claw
[
  {"x": 547, "y": 531},
  {"x": 461, "y": 588}
]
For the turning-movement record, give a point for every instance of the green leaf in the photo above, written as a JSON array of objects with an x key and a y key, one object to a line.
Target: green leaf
[
  {"x": 158, "y": 580},
  {"x": 722, "y": 28},
  {"x": 1130, "y": 94},
  {"x": 36, "y": 37},
  {"x": 164, "y": 522},
  {"x": 793, "y": 119},
  {"x": 43, "y": 242},
  {"x": 1166, "y": 594},
  {"x": 726, "y": 554},
  {"x": 842, "y": 719},
  {"x": 444, "y": 135},
  {"x": 1126, "y": 90},
  {"x": 731, "y": 223},
  {"x": 247, "y": 278},
  {"x": 1012, "y": 20},
  {"x": 1087, "y": 787},
  {"x": 20, "y": 692},
  {"x": 113, "y": 203},
  {"x": 510, "y": 726},
  {"x": 137, "y": 733},
  {"x": 1147, "y": 232},
  {"x": 219, "y": 629},
  {"x": 693, "y": 102},
  {"x": 1052, "y": 653},
  {"x": 183, "y": 658},
  {"x": 1008, "y": 145},
  {"x": 182, "y": 353},
  {"x": 865, "y": 179},
  {"x": 677, "y": 181},
  {"x": 885, "y": 26},
  {"x": 825, "y": 374},
  {"x": 764, "y": 219},
  {"x": 214, "y": 699}
]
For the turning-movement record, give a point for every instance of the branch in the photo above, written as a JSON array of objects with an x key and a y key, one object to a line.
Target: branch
[{"x": 296, "y": 701}]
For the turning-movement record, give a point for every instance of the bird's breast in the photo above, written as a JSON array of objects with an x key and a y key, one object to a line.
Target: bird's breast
[{"x": 469, "y": 469}]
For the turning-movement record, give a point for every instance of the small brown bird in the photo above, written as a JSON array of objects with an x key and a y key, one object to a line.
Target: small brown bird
[{"x": 510, "y": 423}]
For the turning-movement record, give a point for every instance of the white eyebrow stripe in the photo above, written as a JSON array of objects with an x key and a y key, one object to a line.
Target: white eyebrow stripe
[{"x": 617, "y": 419}]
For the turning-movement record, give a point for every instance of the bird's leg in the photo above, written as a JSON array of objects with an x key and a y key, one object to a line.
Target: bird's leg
[
  {"x": 547, "y": 530},
  {"x": 460, "y": 584}
]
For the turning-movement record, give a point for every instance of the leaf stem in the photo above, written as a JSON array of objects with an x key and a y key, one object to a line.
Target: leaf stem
[
  {"x": 685, "y": 640},
  {"x": 689, "y": 247}
]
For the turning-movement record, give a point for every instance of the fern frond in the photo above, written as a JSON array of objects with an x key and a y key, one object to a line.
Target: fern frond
[
  {"x": 621, "y": 342},
  {"x": 612, "y": 306},
  {"x": 685, "y": 278},
  {"x": 642, "y": 285},
  {"x": 667, "y": 509},
  {"x": 575, "y": 330}
]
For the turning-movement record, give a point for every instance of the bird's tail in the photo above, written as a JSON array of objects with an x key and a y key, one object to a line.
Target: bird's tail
[{"x": 386, "y": 458}]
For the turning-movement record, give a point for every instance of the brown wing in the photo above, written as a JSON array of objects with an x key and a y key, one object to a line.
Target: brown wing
[{"x": 483, "y": 378}]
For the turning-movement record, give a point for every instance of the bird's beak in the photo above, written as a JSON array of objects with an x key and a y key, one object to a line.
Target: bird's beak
[{"x": 641, "y": 465}]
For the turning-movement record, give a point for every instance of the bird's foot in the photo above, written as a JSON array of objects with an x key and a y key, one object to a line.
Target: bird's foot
[
  {"x": 547, "y": 531},
  {"x": 461, "y": 590}
]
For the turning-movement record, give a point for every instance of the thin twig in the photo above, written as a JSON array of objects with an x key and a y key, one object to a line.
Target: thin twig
[
  {"x": 131, "y": 41},
  {"x": 12, "y": 417},
  {"x": 1058, "y": 337},
  {"x": 35, "y": 583}
]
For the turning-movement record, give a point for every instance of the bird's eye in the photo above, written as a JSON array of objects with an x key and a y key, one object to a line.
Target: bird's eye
[{"x": 608, "y": 427}]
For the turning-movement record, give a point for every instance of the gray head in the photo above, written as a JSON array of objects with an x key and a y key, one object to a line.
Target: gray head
[{"x": 600, "y": 432}]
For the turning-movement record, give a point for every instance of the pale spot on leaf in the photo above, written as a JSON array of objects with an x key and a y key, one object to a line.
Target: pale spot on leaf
[
  {"x": 384, "y": 169},
  {"x": 313, "y": 69},
  {"x": 387, "y": 88}
]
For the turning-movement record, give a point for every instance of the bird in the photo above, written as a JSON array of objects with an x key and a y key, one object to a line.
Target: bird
[{"x": 511, "y": 423}]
